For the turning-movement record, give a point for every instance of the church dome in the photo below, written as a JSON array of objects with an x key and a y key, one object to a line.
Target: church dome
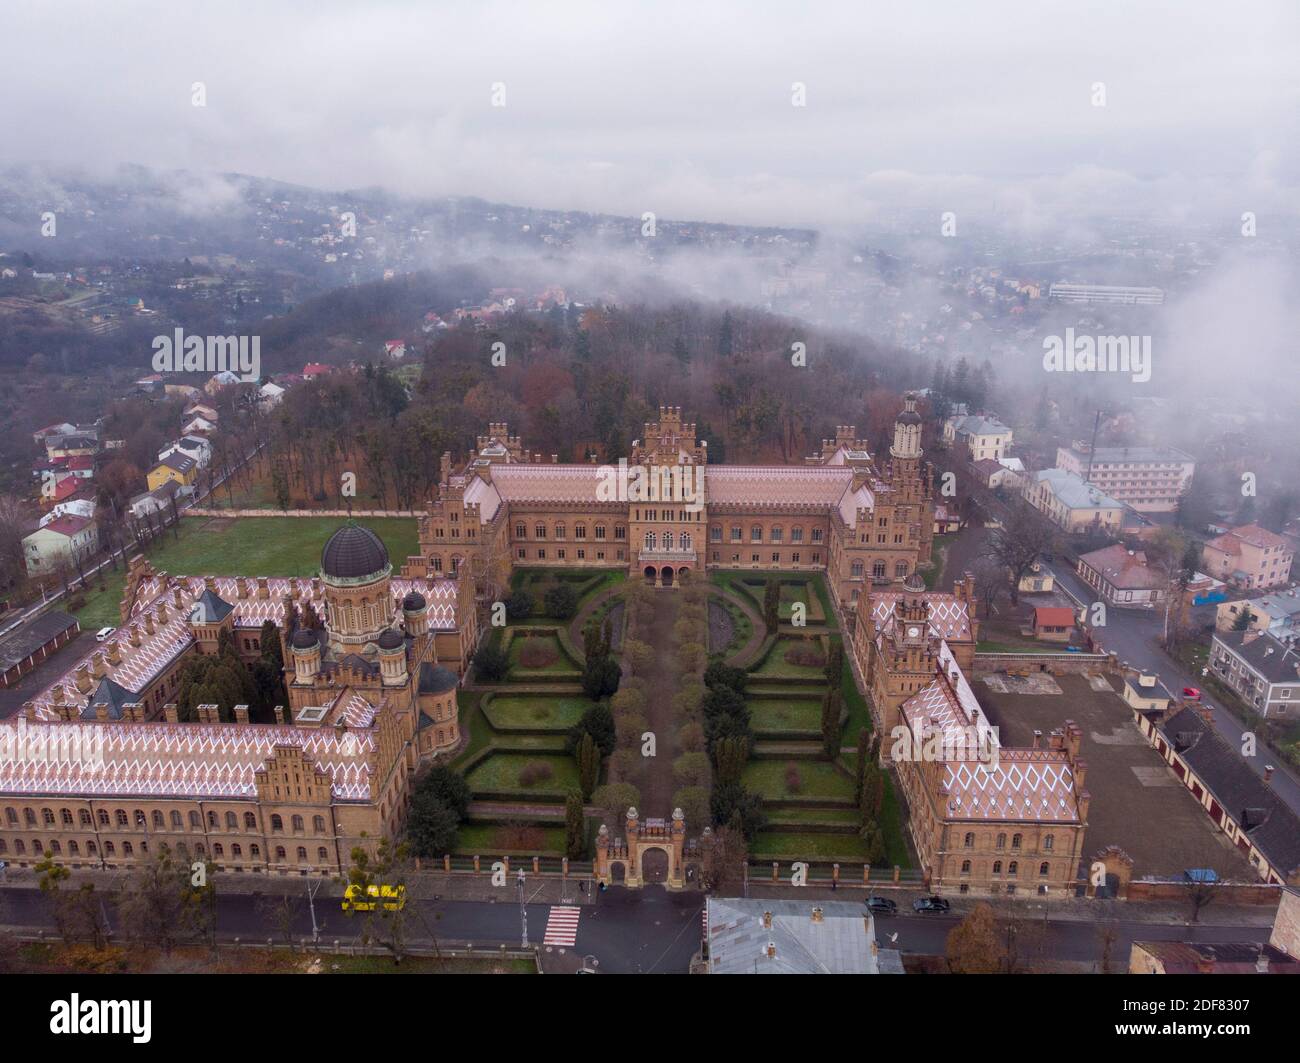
[
  {"x": 391, "y": 639},
  {"x": 413, "y": 602},
  {"x": 914, "y": 584},
  {"x": 304, "y": 639},
  {"x": 353, "y": 553}
]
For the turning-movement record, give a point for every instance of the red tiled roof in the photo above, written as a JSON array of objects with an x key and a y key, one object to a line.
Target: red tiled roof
[
  {"x": 69, "y": 525},
  {"x": 1053, "y": 616}
]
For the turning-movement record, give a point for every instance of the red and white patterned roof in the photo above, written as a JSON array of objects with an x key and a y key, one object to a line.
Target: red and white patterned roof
[
  {"x": 171, "y": 760},
  {"x": 949, "y": 705},
  {"x": 776, "y": 485},
  {"x": 949, "y": 615},
  {"x": 1026, "y": 784},
  {"x": 141, "y": 665}
]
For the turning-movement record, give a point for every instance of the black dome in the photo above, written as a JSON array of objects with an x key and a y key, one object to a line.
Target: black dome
[
  {"x": 353, "y": 552},
  {"x": 304, "y": 638},
  {"x": 436, "y": 679},
  {"x": 909, "y": 417},
  {"x": 390, "y": 639},
  {"x": 413, "y": 602}
]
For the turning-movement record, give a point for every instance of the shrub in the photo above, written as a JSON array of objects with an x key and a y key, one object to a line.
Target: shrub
[
  {"x": 561, "y": 601},
  {"x": 519, "y": 606},
  {"x": 629, "y": 727},
  {"x": 537, "y": 653},
  {"x": 690, "y": 738},
  {"x": 600, "y": 677},
  {"x": 805, "y": 656},
  {"x": 535, "y": 771},
  {"x": 694, "y": 803},
  {"x": 491, "y": 662},
  {"x": 627, "y": 701},
  {"x": 691, "y": 769}
]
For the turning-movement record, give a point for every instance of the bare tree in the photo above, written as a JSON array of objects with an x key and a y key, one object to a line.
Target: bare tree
[{"x": 1024, "y": 535}]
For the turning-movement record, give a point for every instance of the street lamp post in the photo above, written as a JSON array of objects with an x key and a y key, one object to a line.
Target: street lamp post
[{"x": 311, "y": 905}]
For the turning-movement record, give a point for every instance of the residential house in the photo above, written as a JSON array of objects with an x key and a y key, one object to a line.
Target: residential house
[
  {"x": 60, "y": 542},
  {"x": 218, "y": 382},
  {"x": 179, "y": 467},
  {"x": 70, "y": 446},
  {"x": 199, "y": 426},
  {"x": 195, "y": 447},
  {"x": 1122, "y": 577},
  {"x": 984, "y": 437},
  {"x": 74, "y": 507},
  {"x": 312, "y": 370},
  {"x": 1071, "y": 504},
  {"x": 63, "y": 429},
  {"x": 1038, "y": 580},
  {"x": 158, "y": 500},
  {"x": 269, "y": 395},
  {"x": 1277, "y": 613},
  {"x": 1250, "y": 557},
  {"x": 1263, "y": 669}
]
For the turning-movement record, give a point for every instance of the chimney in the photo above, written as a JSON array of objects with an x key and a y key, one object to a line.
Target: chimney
[
  {"x": 99, "y": 668},
  {"x": 101, "y": 713},
  {"x": 263, "y": 591},
  {"x": 114, "y": 654},
  {"x": 83, "y": 679},
  {"x": 1038, "y": 737},
  {"x": 1057, "y": 740},
  {"x": 210, "y": 584},
  {"x": 162, "y": 612},
  {"x": 279, "y": 714},
  {"x": 767, "y": 920},
  {"x": 241, "y": 714},
  {"x": 1261, "y": 964},
  {"x": 1268, "y": 773},
  {"x": 817, "y": 915},
  {"x": 1205, "y": 965},
  {"x": 771, "y": 950},
  {"x": 171, "y": 713},
  {"x": 178, "y": 599},
  {"x": 1080, "y": 773},
  {"x": 148, "y": 623},
  {"x": 133, "y": 635}
]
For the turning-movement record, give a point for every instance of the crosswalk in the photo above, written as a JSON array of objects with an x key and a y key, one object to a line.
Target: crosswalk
[{"x": 562, "y": 925}]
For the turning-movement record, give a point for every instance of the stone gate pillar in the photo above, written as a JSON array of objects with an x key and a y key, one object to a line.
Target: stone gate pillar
[{"x": 633, "y": 827}]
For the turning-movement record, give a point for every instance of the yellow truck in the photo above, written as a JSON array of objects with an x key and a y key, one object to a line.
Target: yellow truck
[{"x": 393, "y": 898}]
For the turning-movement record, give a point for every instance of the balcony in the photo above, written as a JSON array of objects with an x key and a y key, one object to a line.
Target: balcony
[{"x": 667, "y": 555}]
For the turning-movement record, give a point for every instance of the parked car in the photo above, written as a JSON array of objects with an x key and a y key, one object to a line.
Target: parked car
[
  {"x": 103, "y": 633},
  {"x": 1192, "y": 693},
  {"x": 881, "y": 905},
  {"x": 930, "y": 904}
]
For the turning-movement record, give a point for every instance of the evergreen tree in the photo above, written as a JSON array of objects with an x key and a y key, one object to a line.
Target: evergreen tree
[
  {"x": 588, "y": 757},
  {"x": 831, "y": 703},
  {"x": 772, "y": 606},
  {"x": 575, "y": 834},
  {"x": 431, "y": 826}
]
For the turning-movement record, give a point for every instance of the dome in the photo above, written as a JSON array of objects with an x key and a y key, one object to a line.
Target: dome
[
  {"x": 413, "y": 602},
  {"x": 914, "y": 583},
  {"x": 353, "y": 552},
  {"x": 436, "y": 679},
  {"x": 391, "y": 639},
  {"x": 909, "y": 417},
  {"x": 304, "y": 639}
]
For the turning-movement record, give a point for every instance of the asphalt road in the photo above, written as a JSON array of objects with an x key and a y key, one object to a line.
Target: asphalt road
[
  {"x": 1133, "y": 634},
  {"x": 648, "y": 931}
]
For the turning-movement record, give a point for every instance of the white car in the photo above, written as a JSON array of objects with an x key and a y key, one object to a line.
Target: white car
[{"x": 103, "y": 633}]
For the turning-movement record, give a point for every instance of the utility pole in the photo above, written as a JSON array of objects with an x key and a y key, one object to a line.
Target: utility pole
[
  {"x": 523, "y": 909},
  {"x": 1092, "y": 449}
]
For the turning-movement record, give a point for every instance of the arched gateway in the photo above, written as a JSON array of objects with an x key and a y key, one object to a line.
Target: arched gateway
[{"x": 625, "y": 857}]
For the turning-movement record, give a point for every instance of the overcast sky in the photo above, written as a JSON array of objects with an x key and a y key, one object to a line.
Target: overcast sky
[{"x": 683, "y": 109}]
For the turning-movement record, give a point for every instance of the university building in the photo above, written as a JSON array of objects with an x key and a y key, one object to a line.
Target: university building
[
  {"x": 97, "y": 770},
  {"x": 860, "y": 521},
  {"x": 985, "y": 818}
]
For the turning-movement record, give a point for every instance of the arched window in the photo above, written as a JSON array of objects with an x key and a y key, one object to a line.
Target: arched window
[
  {"x": 279, "y": 852},
  {"x": 47, "y": 817},
  {"x": 83, "y": 815},
  {"x": 651, "y": 541},
  {"x": 302, "y": 854},
  {"x": 579, "y": 531},
  {"x": 277, "y": 824},
  {"x": 236, "y": 851},
  {"x": 11, "y": 816},
  {"x": 1048, "y": 842},
  {"x": 1013, "y": 867},
  {"x": 521, "y": 532},
  {"x": 878, "y": 570},
  {"x": 668, "y": 540},
  {"x": 90, "y": 848},
  {"x": 212, "y": 820},
  {"x": 65, "y": 814},
  {"x": 686, "y": 540},
  {"x": 965, "y": 867},
  {"x": 539, "y": 530},
  {"x": 900, "y": 569},
  {"x": 255, "y": 851},
  {"x": 970, "y": 840},
  {"x": 103, "y": 817},
  {"x": 1015, "y": 841},
  {"x": 318, "y": 824},
  {"x": 121, "y": 817},
  {"x": 141, "y": 820},
  {"x": 195, "y": 822},
  {"x": 109, "y": 849},
  {"x": 177, "y": 822},
  {"x": 855, "y": 570},
  {"x": 128, "y": 849},
  {"x": 997, "y": 867},
  {"x": 232, "y": 821},
  {"x": 158, "y": 821},
  {"x": 1002, "y": 841},
  {"x": 218, "y": 850},
  {"x": 1042, "y": 868},
  {"x": 297, "y": 824},
  {"x": 250, "y": 821},
  {"x": 323, "y": 855},
  {"x": 74, "y": 848}
]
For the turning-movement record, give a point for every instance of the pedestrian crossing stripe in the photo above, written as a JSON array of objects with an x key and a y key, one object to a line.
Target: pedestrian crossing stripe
[{"x": 562, "y": 926}]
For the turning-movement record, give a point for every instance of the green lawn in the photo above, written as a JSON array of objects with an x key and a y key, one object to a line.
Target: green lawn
[
  {"x": 501, "y": 771},
  {"x": 778, "y": 845},
  {"x": 801, "y": 715},
  {"x": 819, "y": 780},
  {"x": 491, "y": 839},
  {"x": 251, "y": 546},
  {"x": 526, "y": 712},
  {"x": 776, "y": 665}
]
